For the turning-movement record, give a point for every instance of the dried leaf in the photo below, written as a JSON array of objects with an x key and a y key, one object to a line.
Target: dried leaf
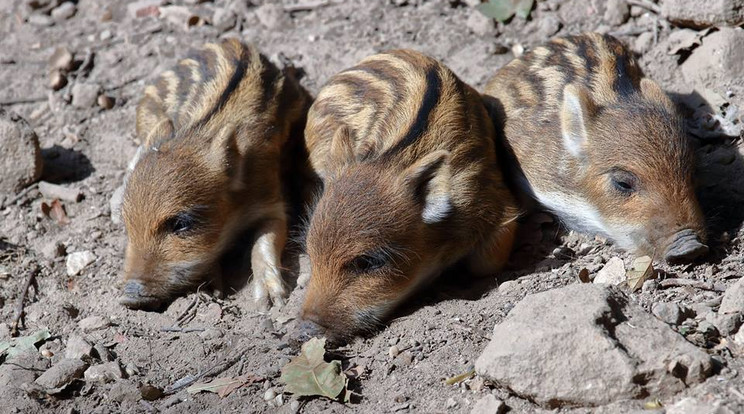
[
  {"x": 309, "y": 375},
  {"x": 503, "y": 10},
  {"x": 223, "y": 386},
  {"x": 55, "y": 211},
  {"x": 654, "y": 404},
  {"x": 25, "y": 343},
  {"x": 640, "y": 270},
  {"x": 584, "y": 276}
]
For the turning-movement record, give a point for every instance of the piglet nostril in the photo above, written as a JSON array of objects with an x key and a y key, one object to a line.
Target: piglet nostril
[
  {"x": 685, "y": 247},
  {"x": 135, "y": 296}
]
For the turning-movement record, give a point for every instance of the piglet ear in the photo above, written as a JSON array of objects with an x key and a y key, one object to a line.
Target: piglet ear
[
  {"x": 224, "y": 155},
  {"x": 576, "y": 113},
  {"x": 342, "y": 147},
  {"x": 429, "y": 181},
  {"x": 653, "y": 92}
]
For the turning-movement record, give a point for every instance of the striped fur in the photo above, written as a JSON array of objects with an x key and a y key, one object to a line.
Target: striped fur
[
  {"x": 580, "y": 118},
  {"x": 217, "y": 132},
  {"x": 410, "y": 186}
]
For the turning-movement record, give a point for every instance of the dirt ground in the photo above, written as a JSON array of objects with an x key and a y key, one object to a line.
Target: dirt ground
[{"x": 440, "y": 332}]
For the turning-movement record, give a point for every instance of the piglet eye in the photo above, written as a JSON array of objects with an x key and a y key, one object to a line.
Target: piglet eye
[
  {"x": 181, "y": 224},
  {"x": 625, "y": 182},
  {"x": 365, "y": 264}
]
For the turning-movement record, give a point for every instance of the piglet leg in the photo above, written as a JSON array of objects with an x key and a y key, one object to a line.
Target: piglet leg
[{"x": 268, "y": 285}]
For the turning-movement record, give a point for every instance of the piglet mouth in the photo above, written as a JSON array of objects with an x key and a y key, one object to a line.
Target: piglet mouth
[
  {"x": 134, "y": 296},
  {"x": 685, "y": 247}
]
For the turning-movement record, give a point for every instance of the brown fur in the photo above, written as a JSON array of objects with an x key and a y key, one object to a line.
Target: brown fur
[
  {"x": 214, "y": 131},
  {"x": 590, "y": 86},
  {"x": 410, "y": 186}
]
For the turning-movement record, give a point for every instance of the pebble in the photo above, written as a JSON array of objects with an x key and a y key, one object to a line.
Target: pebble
[
  {"x": 224, "y": 19},
  {"x": 85, "y": 95},
  {"x": 131, "y": 370},
  {"x": 279, "y": 400},
  {"x": 668, "y": 312},
  {"x": 451, "y": 403},
  {"x": 61, "y": 59},
  {"x": 77, "y": 261},
  {"x": 64, "y": 11},
  {"x": 725, "y": 323},
  {"x": 272, "y": 16},
  {"x": 106, "y": 102},
  {"x": 488, "y": 405},
  {"x": 480, "y": 24},
  {"x": 650, "y": 286},
  {"x": 643, "y": 42},
  {"x": 53, "y": 249},
  {"x": 617, "y": 12},
  {"x": 394, "y": 351},
  {"x": 104, "y": 373},
  {"x": 61, "y": 374},
  {"x": 106, "y": 35},
  {"x": 612, "y": 273},
  {"x": 40, "y": 20},
  {"x": 57, "y": 80},
  {"x": 269, "y": 395},
  {"x": 20, "y": 158},
  {"x": 94, "y": 323},
  {"x": 548, "y": 26},
  {"x": 733, "y": 298},
  {"x": 78, "y": 347},
  {"x": 103, "y": 353},
  {"x": 294, "y": 406}
]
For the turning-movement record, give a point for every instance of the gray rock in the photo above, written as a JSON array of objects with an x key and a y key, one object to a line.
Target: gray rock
[
  {"x": 64, "y": 11},
  {"x": 272, "y": 16},
  {"x": 61, "y": 374},
  {"x": 108, "y": 372},
  {"x": 726, "y": 323},
  {"x": 135, "y": 9},
  {"x": 124, "y": 391},
  {"x": 668, "y": 312},
  {"x": 40, "y": 20},
  {"x": 548, "y": 26},
  {"x": 20, "y": 155},
  {"x": 85, "y": 95},
  {"x": 586, "y": 345},
  {"x": 53, "y": 249},
  {"x": 733, "y": 299},
  {"x": 480, "y": 24},
  {"x": 488, "y": 405},
  {"x": 78, "y": 261},
  {"x": 224, "y": 19},
  {"x": 617, "y": 12},
  {"x": 612, "y": 273},
  {"x": 643, "y": 42},
  {"x": 78, "y": 348},
  {"x": 688, "y": 13},
  {"x": 94, "y": 323}
]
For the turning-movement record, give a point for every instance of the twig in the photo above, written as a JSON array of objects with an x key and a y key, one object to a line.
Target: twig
[
  {"x": 633, "y": 31},
  {"x": 123, "y": 84},
  {"x": 698, "y": 284},
  {"x": 181, "y": 330},
  {"x": 18, "y": 314},
  {"x": 210, "y": 372},
  {"x": 291, "y": 8},
  {"x": 19, "y": 196},
  {"x": 18, "y": 101},
  {"x": 646, "y": 4}
]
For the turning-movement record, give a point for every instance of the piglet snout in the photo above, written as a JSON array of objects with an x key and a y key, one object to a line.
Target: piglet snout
[
  {"x": 134, "y": 296},
  {"x": 304, "y": 331},
  {"x": 685, "y": 247}
]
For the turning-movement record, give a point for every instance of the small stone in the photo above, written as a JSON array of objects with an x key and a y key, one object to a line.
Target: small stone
[
  {"x": 739, "y": 337},
  {"x": 85, "y": 95},
  {"x": 708, "y": 329},
  {"x": 725, "y": 323},
  {"x": 53, "y": 249},
  {"x": 106, "y": 35},
  {"x": 650, "y": 286},
  {"x": 294, "y": 406},
  {"x": 78, "y": 348},
  {"x": 61, "y": 374},
  {"x": 104, "y": 373},
  {"x": 667, "y": 312},
  {"x": 269, "y": 395},
  {"x": 106, "y": 102},
  {"x": 46, "y": 353},
  {"x": 613, "y": 273},
  {"x": 131, "y": 370},
  {"x": 394, "y": 351},
  {"x": 272, "y": 16},
  {"x": 643, "y": 42},
  {"x": 61, "y": 59},
  {"x": 733, "y": 298},
  {"x": 480, "y": 24},
  {"x": 488, "y": 405},
  {"x": 548, "y": 26},
  {"x": 451, "y": 403},
  {"x": 57, "y": 80},
  {"x": 404, "y": 359},
  {"x": 77, "y": 261},
  {"x": 40, "y": 20},
  {"x": 20, "y": 154},
  {"x": 279, "y": 400},
  {"x": 102, "y": 352},
  {"x": 124, "y": 391},
  {"x": 617, "y": 12},
  {"x": 64, "y": 11},
  {"x": 150, "y": 392},
  {"x": 94, "y": 323},
  {"x": 144, "y": 8},
  {"x": 224, "y": 19}
]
